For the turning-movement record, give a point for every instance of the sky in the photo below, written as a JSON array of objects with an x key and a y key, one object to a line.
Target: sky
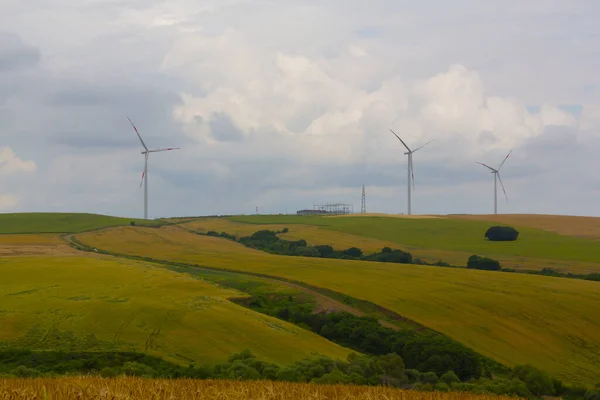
[{"x": 282, "y": 104}]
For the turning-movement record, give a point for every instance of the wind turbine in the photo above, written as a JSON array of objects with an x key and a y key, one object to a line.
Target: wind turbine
[
  {"x": 146, "y": 154},
  {"x": 496, "y": 173},
  {"x": 411, "y": 174}
]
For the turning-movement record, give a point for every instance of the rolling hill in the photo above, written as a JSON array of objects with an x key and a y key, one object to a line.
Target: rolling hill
[
  {"x": 513, "y": 318},
  {"x": 76, "y": 301}
]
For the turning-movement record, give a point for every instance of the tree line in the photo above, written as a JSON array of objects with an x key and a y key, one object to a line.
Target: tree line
[{"x": 388, "y": 369}]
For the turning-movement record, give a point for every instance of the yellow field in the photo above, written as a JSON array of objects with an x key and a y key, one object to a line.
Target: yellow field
[
  {"x": 34, "y": 245},
  {"x": 514, "y": 318},
  {"x": 101, "y": 303},
  {"x": 315, "y": 235},
  {"x": 584, "y": 227},
  {"x": 136, "y": 388}
]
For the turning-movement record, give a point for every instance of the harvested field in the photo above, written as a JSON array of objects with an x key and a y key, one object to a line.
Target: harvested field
[{"x": 136, "y": 388}]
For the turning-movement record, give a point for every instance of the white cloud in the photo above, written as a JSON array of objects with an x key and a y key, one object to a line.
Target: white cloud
[
  {"x": 11, "y": 164},
  {"x": 8, "y": 202},
  {"x": 277, "y": 103}
]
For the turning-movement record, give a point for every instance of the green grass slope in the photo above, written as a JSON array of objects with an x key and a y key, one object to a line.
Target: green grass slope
[
  {"x": 61, "y": 222},
  {"x": 514, "y": 318},
  {"x": 448, "y": 234},
  {"x": 100, "y": 304}
]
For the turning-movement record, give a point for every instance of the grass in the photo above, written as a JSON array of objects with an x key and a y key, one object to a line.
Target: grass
[
  {"x": 61, "y": 222},
  {"x": 101, "y": 304},
  {"x": 71, "y": 388},
  {"x": 514, "y": 318},
  {"x": 453, "y": 240}
]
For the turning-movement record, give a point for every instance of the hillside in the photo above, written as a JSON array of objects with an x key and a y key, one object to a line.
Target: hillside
[
  {"x": 61, "y": 222},
  {"x": 455, "y": 239},
  {"x": 90, "y": 302},
  {"x": 513, "y": 318}
]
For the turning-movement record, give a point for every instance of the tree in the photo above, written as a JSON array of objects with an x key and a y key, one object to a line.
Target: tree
[
  {"x": 478, "y": 262},
  {"x": 325, "y": 250},
  {"x": 353, "y": 252},
  {"x": 449, "y": 378},
  {"x": 501, "y": 233}
]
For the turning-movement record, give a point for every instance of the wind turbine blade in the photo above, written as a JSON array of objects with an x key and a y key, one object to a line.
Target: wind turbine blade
[
  {"x": 501, "y": 184},
  {"x": 145, "y": 168},
  {"x": 165, "y": 149},
  {"x": 423, "y": 145},
  {"x": 139, "y": 136},
  {"x": 505, "y": 158},
  {"x": 487, "y": 166},
  {"x": 400, "y": 140}
]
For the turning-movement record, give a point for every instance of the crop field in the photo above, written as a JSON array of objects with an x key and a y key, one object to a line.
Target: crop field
[
  {"x": 582, "y": 227},
  {"x": 34, "y": 245},
  {"x": 104, "y": 304},
  {"x": 454, "y": 239},
  {"x": 514, "y": 318},
  {"x": 137, "y": 388},
  {"x": 60, "y": 222}
]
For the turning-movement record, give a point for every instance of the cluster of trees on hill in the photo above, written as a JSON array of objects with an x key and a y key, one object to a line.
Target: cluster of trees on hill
[
  {"x": 478, "y": 262},
  {"x": 501, "y": 233},
  {"x": 387, "y": 369}
]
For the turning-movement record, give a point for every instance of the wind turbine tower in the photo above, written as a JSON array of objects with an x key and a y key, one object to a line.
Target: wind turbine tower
[
  {"x": 146, "y": 154},
  {"x": 363, "y": 202},
  {"x": 411, "y": 174},
  {"x": 497, "y": 178}
]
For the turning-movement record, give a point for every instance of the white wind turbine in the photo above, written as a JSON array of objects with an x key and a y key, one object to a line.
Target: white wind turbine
[
  {"x": 411, "y": 174},
  {"x": 146, "y": 154},
  {"x": 496, "y": 173}
]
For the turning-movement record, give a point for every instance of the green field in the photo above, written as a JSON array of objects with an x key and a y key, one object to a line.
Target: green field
[
  {"x": 514, "y": 318},
  {"x": 62, "y": 222},
  {"x": 456, "y": 236},
  {"x": 106, "y": 304}
]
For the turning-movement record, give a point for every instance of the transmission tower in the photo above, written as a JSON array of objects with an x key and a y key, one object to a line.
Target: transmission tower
[{"x": 363, "y": 203}]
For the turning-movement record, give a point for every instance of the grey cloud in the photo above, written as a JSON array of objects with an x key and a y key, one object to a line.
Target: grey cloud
[
  {"x": 15, "y": 54},
  {"x": 223, "y": 128}
]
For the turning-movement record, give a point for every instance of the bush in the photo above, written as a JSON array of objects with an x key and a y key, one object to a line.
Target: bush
[
  {"x": 501, "y": 233},
  {"x": 23, "y": 372},
  {"x": 353, "y": 252},
  {"x": 307, "y": 252},
  {"x": 325, "y": 250},
  {"x": 478, "y": 262},
  {"x": 413, "y": 375},
  {"x": 132, "y": 223},
  {"x": 108, "y": 372},
  {"x": 429, "y": 377},
  {"x": 449, "y": 378}
]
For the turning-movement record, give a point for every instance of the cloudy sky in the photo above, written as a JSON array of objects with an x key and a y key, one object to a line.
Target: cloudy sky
[{"x": 279, "y": 104}]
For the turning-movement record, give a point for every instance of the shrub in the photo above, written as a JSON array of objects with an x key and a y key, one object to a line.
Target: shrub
[
  {"x": 501, "y": 233},
  {"x": 353, "y": 252},
  {"x": 132, "y": 223},
  {"x": 478, "y": 262},
  {"x": 325, "y": 250},
  {"x": 23, "y": 372},
  {"x": 429, "y": 377},
  {"x": 108, "y": 372},
  {"x": 413, "y": 375},
  {"x": 449, "y": 378}
]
